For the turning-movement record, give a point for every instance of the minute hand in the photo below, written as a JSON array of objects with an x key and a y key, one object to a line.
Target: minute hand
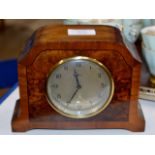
[{"x": 73, "y": 95}]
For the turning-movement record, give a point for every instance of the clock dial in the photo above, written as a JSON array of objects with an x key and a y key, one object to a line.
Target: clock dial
[{"x": 79, "y": 87}]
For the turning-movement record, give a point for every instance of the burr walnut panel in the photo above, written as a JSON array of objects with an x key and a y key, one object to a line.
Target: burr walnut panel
[{"x": 38, "y": 71}]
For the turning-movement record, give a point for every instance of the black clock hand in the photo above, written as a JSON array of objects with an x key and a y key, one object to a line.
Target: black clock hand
[
  {"x": 73, "y": 94},
  {"x": 78, "y": 86},
  {"x": 77, "y": 79}
]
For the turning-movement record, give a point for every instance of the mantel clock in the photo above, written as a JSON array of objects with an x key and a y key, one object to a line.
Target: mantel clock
[{"x": 78, "y": 77}]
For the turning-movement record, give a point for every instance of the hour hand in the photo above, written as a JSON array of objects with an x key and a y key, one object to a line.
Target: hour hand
[
  {"x": 78, "y": 85},
  {"x": 77, "y": 79}
]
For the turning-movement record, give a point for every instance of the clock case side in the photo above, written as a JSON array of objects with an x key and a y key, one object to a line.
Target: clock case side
[
  {"x": 20, "y": 119},
  {"x": 34, "y": 47}
]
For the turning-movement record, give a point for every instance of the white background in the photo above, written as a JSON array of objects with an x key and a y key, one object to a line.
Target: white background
[{"x": 88, "y": 145}]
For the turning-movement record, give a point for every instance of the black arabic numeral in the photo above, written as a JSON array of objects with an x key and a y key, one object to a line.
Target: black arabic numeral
[
  {"x": 55, "y": 85},
  {"x": 66, "y": 68},
  {"x": 58, "y": 76},
  {"x": 99, "y": 75},
  {"x": 58, "y": 96},
  {"x": 78, "y": 64},
  {"x": 102, "y": 85}
]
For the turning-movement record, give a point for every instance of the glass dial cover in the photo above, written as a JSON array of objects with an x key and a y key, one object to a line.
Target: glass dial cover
[{"x": 79, "y": 87}]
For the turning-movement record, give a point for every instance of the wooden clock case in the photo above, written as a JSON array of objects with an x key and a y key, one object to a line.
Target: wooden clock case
[{"x": 47, "y": 46}]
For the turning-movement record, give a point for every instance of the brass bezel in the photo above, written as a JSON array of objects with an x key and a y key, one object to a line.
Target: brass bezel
[{"x": 88, "y": 59}]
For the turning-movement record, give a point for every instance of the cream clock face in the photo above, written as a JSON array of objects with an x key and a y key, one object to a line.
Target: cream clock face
[{"x": 79, "y": 87}]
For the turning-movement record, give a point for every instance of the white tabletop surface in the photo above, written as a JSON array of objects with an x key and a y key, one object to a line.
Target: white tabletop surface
[{"x": 7, "y": 108}]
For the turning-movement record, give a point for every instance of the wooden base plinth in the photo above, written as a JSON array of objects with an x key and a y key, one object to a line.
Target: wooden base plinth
[{"x": 19, "y": 124}]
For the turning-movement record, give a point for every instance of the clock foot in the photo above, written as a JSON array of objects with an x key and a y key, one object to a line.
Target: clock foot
[
  {"x": 137, "y": 121},
  {"x": 19, "y": 124}
]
